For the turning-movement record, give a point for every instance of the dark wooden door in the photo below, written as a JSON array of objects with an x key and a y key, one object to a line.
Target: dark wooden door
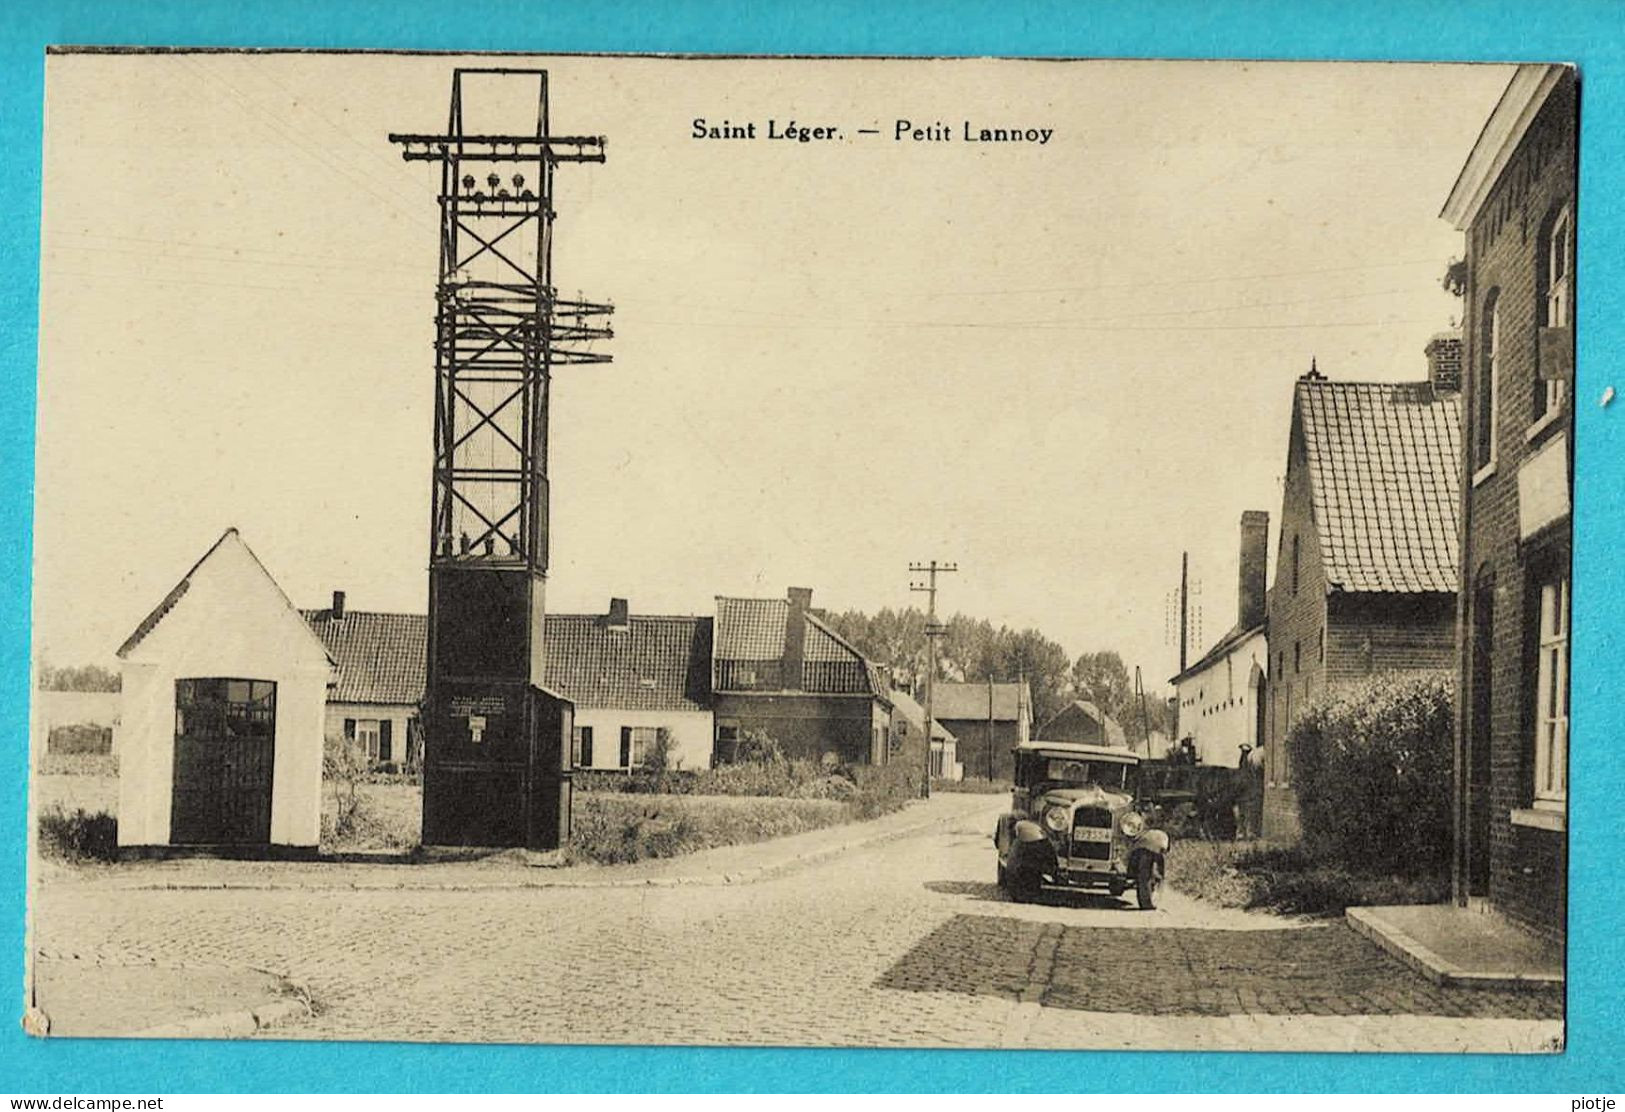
[{"x": 225, "y": 741}]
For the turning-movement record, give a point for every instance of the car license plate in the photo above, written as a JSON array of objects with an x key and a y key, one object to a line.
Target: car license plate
[{"x": 1091, "y": 834}]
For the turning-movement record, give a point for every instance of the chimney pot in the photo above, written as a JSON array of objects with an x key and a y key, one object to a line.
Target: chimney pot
[
  {"x": 619, "y": 614},
  {"x": 338, "y": 604}
]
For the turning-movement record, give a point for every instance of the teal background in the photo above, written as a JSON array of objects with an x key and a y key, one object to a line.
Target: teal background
[{"x": 1589, "y": 34}]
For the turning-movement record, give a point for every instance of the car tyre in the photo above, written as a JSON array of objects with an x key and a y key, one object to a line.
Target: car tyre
[
  {"x": 1147, "y": 882},
  {"x": 1024, "y": 885}
]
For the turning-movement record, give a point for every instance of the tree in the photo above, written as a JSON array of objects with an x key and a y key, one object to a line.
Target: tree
[
  {"x": 973, "y": 650},
  {"x": 895, "y": 638},
  {"x": 1103, "y": 679}
]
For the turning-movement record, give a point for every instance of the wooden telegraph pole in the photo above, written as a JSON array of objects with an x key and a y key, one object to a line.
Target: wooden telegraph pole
[{"x": 932, "y": 632}]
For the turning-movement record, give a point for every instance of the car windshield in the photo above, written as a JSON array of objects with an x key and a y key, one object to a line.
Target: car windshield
[{"x": 1069, "y": 772}]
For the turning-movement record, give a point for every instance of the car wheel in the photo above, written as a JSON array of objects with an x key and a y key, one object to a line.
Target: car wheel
[
  {"x": 1147, "y": 882},
  {"x": 1024, "y": 885},
  {"x": 1117, "y": 888}
]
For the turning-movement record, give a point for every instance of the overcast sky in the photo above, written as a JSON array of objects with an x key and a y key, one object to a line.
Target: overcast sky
[{"x": 1057, "y": 365}]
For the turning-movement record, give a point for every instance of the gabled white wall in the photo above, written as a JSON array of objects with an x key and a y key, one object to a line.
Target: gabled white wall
[
  {"x": 1216, "y": 704},
  {"x": 232, "y": 621}
]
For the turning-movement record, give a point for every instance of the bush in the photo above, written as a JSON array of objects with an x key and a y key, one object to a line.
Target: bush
[
  {"x": 971, "y": 785},
  {"x": 381, "y": 817},
  {"x": 803, "y": 779},
  {"x": 882, "y": 789},
  {"x": 78, "y": 835},
  {"x": 757, "y": 747},
  {"x": 344, "y": 766},
  {"x": 611, "y": 830},
  {"x": 1372, "y": 768},
  {"x": 83, "y": 738},
  {"x": 1288, "y": 880}
]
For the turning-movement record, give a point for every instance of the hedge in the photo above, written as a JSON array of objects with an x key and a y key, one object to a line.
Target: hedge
[{"x": 1372, "y": 768}]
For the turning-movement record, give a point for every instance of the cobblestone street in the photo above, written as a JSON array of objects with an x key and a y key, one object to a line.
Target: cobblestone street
[{"x": 903, "y": 943}]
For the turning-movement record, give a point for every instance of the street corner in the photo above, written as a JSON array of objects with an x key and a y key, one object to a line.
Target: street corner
[
  {"x": 101, "y": 995},
  {"x": 1326, "y": 972}
]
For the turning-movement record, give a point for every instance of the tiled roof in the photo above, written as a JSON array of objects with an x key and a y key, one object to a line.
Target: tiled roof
[
  {"x": 752, "y": 629},
  {"x": 380, "y": 657},
  {"x": 1383, "y": 462},
  {"x": 1220, "y": 648},
  {"x": 961, "y": 701},
  {"x": 910, "y": 709},
  {"x": 656, "y": 663}
]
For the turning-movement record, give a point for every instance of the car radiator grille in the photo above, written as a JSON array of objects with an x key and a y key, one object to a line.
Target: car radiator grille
[{"x": 1092, "y": 819}]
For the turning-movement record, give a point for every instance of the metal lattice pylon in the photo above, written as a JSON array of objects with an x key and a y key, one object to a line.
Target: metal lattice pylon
[{"x": 500, "y": 329}]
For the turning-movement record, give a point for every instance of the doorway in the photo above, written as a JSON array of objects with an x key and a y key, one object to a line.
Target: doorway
[{"x": 225, "y": 743}]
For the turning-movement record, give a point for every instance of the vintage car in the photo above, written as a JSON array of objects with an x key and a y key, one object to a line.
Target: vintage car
[{"x": 1077, "y": 819}]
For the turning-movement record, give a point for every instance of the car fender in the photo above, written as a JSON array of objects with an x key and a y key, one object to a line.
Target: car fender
[
  {"x": 1027, "y": 831},
  {"x": 1032, "y": 849}
]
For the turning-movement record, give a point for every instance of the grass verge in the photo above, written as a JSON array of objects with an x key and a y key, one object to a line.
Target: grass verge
[
  {"x": 971, "y": 785},
  {"x": 614, "y": 829},
  {"x": 608, "y": 828},
  {"x": 1286, "y": 880}
]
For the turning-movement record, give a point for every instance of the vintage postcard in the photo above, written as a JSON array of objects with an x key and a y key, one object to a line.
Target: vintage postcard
[{"x": 774, "y": 551}]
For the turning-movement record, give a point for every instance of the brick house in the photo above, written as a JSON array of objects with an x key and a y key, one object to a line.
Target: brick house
[
  {"x": 778, "y": 668},
  {"x": 1514, "y": 200},
  {"x": 380, "y": 659},
  {"x": 631, "y": 676},
  {"x": 1366, "y": 568},
  {"x": 908, "y": 728},
  {"x": 1222, "y": 699},
  {"x": 989, "y": 719}
]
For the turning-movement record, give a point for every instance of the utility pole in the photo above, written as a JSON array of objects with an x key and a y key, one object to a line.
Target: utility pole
[
  {"x": 932, "y": 632},
  {"x": 1184, "y": 606}
]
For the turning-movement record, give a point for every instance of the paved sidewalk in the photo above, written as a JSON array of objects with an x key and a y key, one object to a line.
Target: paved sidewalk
[
  {"x": 1453, "y": 945},
  {"x": 725, "y": 865}
]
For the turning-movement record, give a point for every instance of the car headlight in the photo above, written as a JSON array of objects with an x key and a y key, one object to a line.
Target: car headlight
[
  {"x": 1057, "y": 818},
  {"x": 1131, "y": 824}
]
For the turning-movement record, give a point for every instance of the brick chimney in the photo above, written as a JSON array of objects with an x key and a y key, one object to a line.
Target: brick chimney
[
  {"x": 1255, "y": 537},
  {"x": 1444, "y": 362},
  {"x": 338, "y": 605},
  {"x": 619, "y": 618},
  {"x": 795, "y": 636}
]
